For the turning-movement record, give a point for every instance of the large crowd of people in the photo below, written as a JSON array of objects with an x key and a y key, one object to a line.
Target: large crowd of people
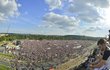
[{"x": 57, "y": 51}]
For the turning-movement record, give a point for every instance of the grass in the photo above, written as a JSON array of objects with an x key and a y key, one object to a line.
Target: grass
[
  {"x": 6, "y": 56},
  {"x": 71, "y": 63},
  {"x": 3, "y": 67}
]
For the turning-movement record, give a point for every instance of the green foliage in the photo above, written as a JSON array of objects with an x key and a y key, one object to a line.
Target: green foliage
[
  {"x": 9, "y": 56},
  {"x": 12, "y": 37},
  {"x": 3, "y": 67}
]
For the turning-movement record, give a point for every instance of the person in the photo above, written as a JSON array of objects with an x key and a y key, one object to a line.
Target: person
[
  {"x": 104, "y": 60},
  {"x": 109, "y": 36},
  {"x": 108, "y": 39}
]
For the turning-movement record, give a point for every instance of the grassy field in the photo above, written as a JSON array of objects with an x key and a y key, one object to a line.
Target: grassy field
[
  {"x": 5, "y": 61},
  {"x": 3, "y": 67},
  {"x": 71, "y": 63},
  {"x": 6, "y": 56}
]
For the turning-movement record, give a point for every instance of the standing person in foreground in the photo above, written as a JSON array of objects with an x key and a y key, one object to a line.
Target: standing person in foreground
[{"x": 104, "y": 63}]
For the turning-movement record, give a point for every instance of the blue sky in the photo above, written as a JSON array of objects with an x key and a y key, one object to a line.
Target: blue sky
[{"x": 55, "y": 17}]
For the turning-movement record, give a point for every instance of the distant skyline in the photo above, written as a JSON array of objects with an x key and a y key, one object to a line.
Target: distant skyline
[{"x": 55, "y": 17}]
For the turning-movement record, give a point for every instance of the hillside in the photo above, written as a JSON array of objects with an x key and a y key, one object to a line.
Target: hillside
[{"x": 13, "y": 36}]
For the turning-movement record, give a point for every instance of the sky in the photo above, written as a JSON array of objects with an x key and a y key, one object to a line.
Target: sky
[{"x": 55, "y": 17}]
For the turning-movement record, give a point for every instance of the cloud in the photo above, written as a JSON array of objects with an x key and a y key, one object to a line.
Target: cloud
[
  {"x": 89, "y": 16},
  {"x": 61, "y": 21},
  {"x": 100, "y": 3},
  {"x": 88, "y": 10},
  {"x": 96, "y": 3},
  {"x": 8, "y": 8},
  {"x": 54, "y": 4},
  {"x": 93, "y": 29}
]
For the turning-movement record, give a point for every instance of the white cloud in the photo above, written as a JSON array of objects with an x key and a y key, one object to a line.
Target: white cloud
[
  {"x": 8, "y": 8},
  {"x": 97, "y": 3},
  {"x": 100, "y": 3},
  {"x": 61, "y": 21},
  {"x": 92, "y": 14},
  {"x": 54, "y": 4},
  {"x": 94, "y": 28},
  {"x": 88, "y": 10}
]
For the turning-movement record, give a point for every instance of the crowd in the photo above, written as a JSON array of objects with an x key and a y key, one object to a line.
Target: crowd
[{"x": 52, "y": 50}]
